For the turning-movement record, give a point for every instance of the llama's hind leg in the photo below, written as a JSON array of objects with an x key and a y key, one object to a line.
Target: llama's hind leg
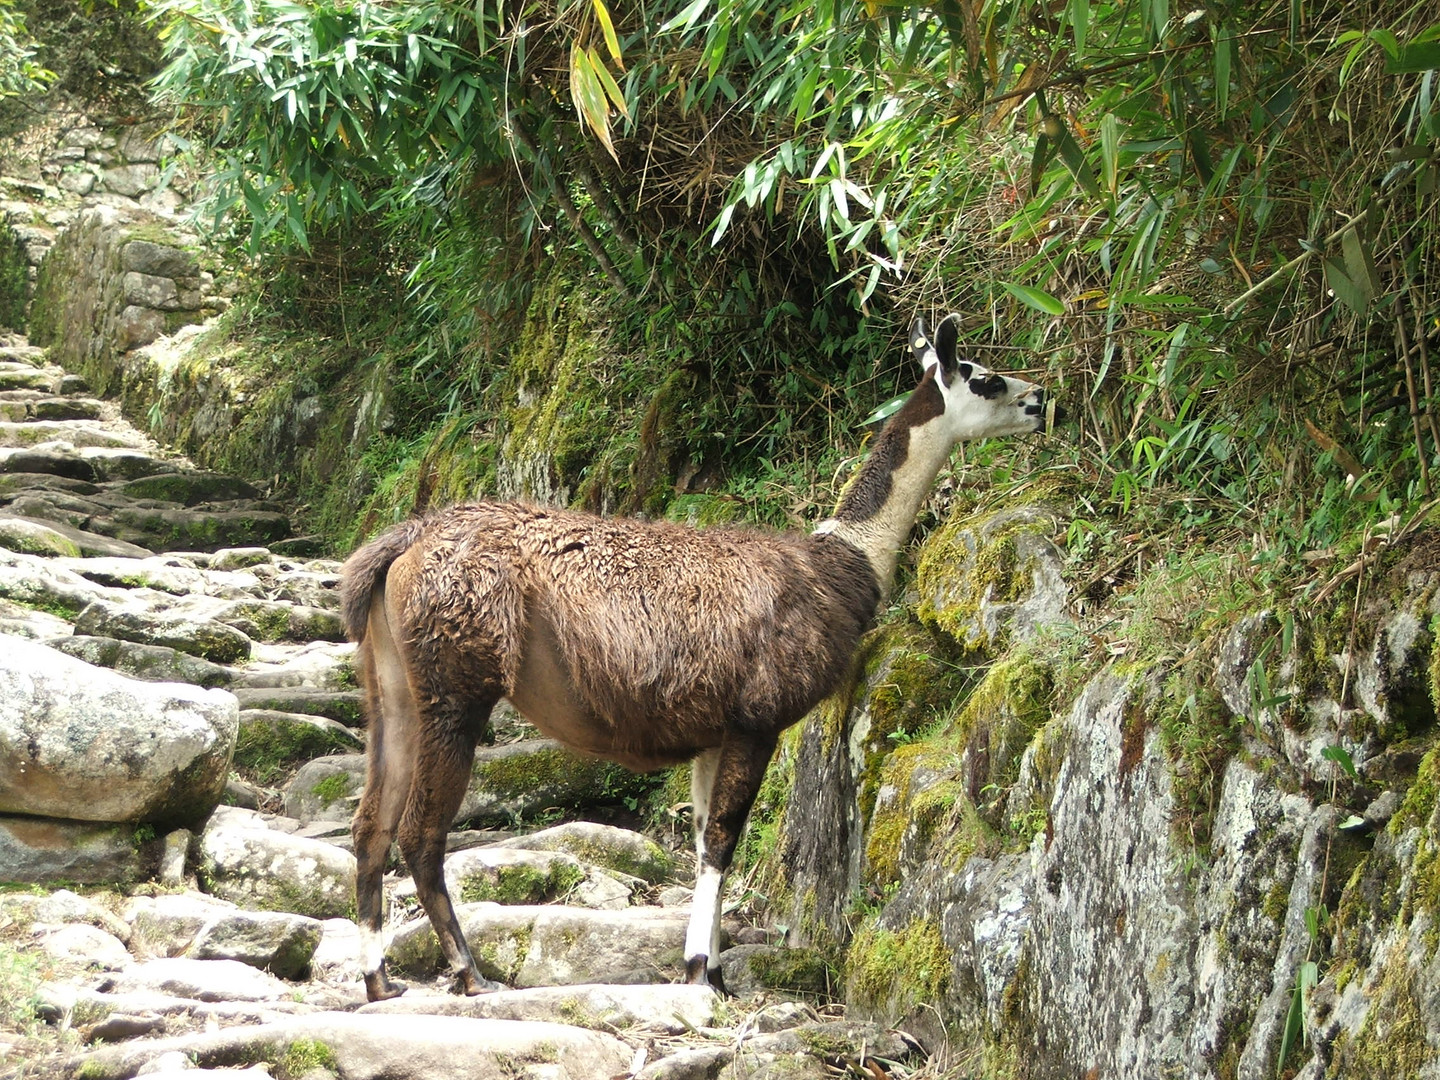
[
  {"x": 389, "y": 766},
  {"x": 731, "y": 777},
  {"x": 442, "y": 772}
]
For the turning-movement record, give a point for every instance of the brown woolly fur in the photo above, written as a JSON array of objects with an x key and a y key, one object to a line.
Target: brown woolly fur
[
  {"x": 662, "y": 636},
  {"x": 872, "y": 486}
]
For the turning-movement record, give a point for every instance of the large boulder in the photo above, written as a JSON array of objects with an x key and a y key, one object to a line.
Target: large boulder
[
  {"x": 84, "y": 743},
  {"x": 243, "y": 860}
]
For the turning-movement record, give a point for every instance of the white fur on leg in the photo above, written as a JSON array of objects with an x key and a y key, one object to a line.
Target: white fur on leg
[
  {"x": 704, "y": 934},
  {"x": 372, "y": 949},
  {"x": 702, "y": 782}
]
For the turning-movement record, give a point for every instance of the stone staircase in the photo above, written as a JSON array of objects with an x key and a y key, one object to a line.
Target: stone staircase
[{"x": 225, "y": 944}]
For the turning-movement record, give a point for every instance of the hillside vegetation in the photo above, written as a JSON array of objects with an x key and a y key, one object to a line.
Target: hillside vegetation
[{"x": 1211, "y": 228}]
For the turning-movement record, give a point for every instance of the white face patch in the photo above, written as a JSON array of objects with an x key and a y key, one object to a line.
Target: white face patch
[{"x": 1017, "y": 409}]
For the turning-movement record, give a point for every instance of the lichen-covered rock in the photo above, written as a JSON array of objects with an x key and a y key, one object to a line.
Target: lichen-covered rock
[
  {"x": 994, "y": 579},
  {"x": 243, "y": 860},
  {"x": 83, "y": 743},
  {"x": 552, "y": 946},
  {"x": 626, "y": 852},
  {"x": 200, "y": 637}
]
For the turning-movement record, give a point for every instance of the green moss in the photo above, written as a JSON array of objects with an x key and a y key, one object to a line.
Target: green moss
[
  {"x": 1393, "y": 1042},
  {"x": 332, "y": 788},
  {"x": 1419, "y": 804},
  {"x": 1200, "y": 737},
  {"x": 521, "y": 884},
  {"x": 267, "y": 751},
  {"x": 968, "y": 563},
  {"x": 303, "y": 1056},
  {"x": 799, "y": 969},
  {"x": 896, "y": 970},
  {"x": 1276, "y": 903}
]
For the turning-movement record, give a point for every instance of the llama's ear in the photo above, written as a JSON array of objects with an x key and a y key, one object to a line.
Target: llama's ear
[
  {"x": 947, "y": 341},
  {"x": 920, "y": 344}
]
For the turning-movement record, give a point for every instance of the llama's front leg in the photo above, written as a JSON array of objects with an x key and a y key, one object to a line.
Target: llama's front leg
[{"x": 731, "y": 777}]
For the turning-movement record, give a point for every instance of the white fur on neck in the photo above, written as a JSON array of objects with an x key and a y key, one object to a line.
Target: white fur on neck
[{"x": 881, "y": 535}]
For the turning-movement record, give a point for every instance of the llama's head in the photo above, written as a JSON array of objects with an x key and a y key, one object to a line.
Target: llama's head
[{"x": 979, "y": 404}]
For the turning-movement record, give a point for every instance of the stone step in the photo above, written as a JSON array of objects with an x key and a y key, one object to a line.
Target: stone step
[
  {"x": 341, "y": 705},
  {"x": 78, "y": 433},
  {"x": 395, "y": 1047},
  {"x": 155, "y": 663},
  {"x": 525, "y": 946},
  {"x": 666, "y": 1009}
]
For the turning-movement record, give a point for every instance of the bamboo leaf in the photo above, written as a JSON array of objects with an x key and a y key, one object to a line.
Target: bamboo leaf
[
  {"x": 1080, "y": 22},
  {"x": 607, "y": 28},
  {"x": 1110, "y": 151},
  {"x": 1345, "y": 290},
  {"x": 608, "y": 83},
  {"x": 1414, "y": 57},
  {"x": 1223, "y": 46},
  {"x": 1035, "y": 298},
  {"x": 885, "y": 411},
  {"x": 1360, "y": 263}
]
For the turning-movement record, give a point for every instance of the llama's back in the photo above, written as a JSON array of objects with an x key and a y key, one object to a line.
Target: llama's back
[{"x": 653, "y": 619}]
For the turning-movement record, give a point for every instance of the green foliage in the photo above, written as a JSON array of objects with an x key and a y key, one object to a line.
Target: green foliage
[{"x": 20, "y": 71}]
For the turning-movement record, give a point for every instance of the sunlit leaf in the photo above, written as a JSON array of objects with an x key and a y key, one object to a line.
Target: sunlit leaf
[
  {"x": 887, "y": 410},
  {"x": 1035, "y": 298},
  {"x": 607, "y": 28}
]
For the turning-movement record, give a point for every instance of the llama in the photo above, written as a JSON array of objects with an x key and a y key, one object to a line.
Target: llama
[{"x": 646, "y": 643}]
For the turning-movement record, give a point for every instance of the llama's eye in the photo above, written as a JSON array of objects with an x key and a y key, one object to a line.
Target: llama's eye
[{"x": 988, "y": 386}]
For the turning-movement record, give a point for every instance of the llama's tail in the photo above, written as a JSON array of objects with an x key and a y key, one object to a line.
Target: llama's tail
[{"x": 365, "y": 569}]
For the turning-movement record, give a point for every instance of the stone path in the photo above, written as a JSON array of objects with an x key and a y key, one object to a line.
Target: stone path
[{"x": 164, "y": 643}]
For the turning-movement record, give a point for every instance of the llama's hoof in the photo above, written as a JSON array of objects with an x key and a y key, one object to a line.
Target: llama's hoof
[
  {"x": 472, "y": 984},
  {"x": 378, "y": 986},
  {"x": 699, "y": 973}
]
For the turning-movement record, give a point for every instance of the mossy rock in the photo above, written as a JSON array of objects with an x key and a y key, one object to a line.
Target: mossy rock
[
  {"x": 988, "y": 580},
  {"x": 606, "y": 846},
  {"x": 152, "y": 662},
  {"x": 33, "y": 538},
  {"x": 756, "y": 968},
  {"x": 520, "y": 780},
  {"x": 890, "y": 971},
  {"x": 273, "y": 744}
]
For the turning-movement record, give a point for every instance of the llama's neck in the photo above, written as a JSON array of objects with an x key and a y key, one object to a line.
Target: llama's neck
[{"x": 879, "y": 506}]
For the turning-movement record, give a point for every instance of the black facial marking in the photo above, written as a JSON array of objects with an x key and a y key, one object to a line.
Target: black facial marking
[
  {"x": 988, "y": 386},
  {"x": 964, "y": 370}
]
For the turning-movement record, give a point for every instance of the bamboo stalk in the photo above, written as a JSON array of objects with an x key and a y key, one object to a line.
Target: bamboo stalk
[
  {"x": 1286, "y": 267},
  {"x": 1410, "y": 386}
]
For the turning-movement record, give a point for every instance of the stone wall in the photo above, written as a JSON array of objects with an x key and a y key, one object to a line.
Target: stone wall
[
  {"x": 63, "y": 165},
  {"x": 116, "y": 278}
]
